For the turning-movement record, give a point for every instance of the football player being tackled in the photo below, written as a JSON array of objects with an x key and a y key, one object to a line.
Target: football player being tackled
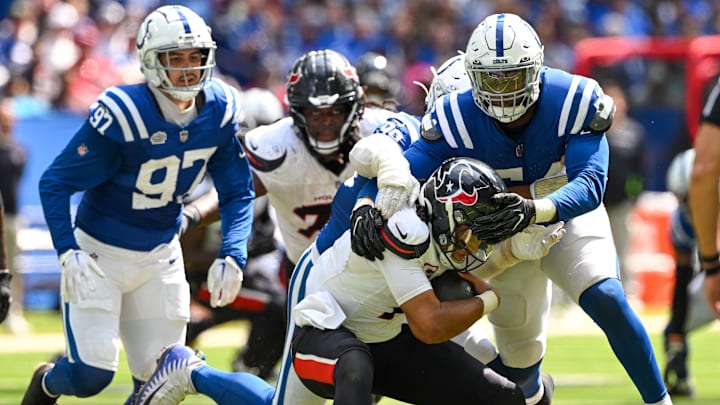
[
  {"x": 543, "y": 130},
  {"x": 377, "y": 326}
]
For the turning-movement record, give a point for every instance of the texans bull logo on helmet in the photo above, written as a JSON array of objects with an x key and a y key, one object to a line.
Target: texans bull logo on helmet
[{"x": 459, "y": 185}]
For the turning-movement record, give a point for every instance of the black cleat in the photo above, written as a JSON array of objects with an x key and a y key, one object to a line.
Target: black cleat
[
  {"x": 676, "y": 375},
  {"x": 35, "y": 394}
]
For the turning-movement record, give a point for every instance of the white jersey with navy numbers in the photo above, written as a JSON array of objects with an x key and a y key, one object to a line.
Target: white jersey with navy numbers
[
  {"x": 299, "y": 188},
  {"x": 558, "y": 130},
  {"x": 370, "y": 293},
  {"x": 136, "y": 168}
]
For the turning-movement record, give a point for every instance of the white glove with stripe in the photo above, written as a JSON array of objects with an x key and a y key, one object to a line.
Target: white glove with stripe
[
  {"x": 224, "y": 281},
  {"x": 77, "y": 279}
]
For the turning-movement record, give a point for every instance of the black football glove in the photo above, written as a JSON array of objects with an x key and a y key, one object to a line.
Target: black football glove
[
  {"x": 514, "y": 214},
  {"x": 365, "y": 225},
  {"x": 5, "y": 298}
]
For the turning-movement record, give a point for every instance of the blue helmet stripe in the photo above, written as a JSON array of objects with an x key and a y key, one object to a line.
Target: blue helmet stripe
[
  {"x": 499, "y": 48},
  {"x": 439, "y": 72},
  {"x": 184, "y": 20}
]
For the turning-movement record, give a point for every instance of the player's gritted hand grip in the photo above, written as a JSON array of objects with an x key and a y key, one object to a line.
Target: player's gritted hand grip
[
  {"x": 514, "y": 214},
  {"x": 365, "y": 225}
]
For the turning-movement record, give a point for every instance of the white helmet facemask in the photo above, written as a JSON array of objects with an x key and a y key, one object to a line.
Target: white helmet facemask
[
  {"x": 169, "y": 29},
  {"x": 503, "y": 59}
]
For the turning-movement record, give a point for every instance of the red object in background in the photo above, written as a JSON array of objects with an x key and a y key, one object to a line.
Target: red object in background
[
  {"x": 702, "y": 65},
  {"x": 700, "y": 55}
]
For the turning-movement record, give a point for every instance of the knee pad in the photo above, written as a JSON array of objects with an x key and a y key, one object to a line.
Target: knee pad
[
  {"x": 354, "y": 367},
  {"x": 354, "y": 377},
  {"x": 88, "y": 380}
]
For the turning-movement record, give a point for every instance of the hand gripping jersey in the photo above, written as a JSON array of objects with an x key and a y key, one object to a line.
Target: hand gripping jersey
[
  {"x": 564, "y": 124},
  {"x": 136, "y": 168},
  {"x": 370, "y": 292},
  {"x": 299, "y": 188}
]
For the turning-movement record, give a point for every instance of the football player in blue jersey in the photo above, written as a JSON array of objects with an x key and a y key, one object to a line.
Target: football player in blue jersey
[
  {"x": 5, "y": 296},
  {"x": 143, "y": 148},
  {"x": 543, "y": 130}
]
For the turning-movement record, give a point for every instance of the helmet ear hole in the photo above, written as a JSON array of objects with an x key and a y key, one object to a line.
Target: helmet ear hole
[{"x": 441, "y": 223}]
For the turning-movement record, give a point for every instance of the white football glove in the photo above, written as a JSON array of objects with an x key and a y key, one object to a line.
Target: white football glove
[
  {"x": 391, "y": 198},
  {"x": 535, "y": 241},
  {"x": 224, "y": 281},
  {"x": 77, "y": 279}
]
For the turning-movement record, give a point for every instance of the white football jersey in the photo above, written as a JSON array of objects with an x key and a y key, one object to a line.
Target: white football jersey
[
  {"x": 299, "y": 188},
  {"x": 370, "y": 292}
]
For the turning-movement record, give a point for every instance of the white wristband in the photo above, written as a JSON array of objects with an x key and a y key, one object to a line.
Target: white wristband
[
  {"x": 545, "y": 210},
  {"x": 489, "y": 300}
]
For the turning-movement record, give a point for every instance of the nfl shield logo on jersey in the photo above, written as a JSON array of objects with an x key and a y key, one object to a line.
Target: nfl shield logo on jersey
[{"x": 184, "y": 134}]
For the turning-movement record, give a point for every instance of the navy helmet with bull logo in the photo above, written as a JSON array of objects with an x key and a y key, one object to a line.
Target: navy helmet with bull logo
[{"x": 455, "y": 195}]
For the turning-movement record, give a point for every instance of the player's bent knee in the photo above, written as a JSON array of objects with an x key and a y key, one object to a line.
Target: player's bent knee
[
  {"x": 100, "y": 348},
  {"x": 354, "y": 367},
  {"x": 89, "y": 380}
]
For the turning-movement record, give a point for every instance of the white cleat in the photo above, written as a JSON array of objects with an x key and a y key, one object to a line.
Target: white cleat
[{"x": 171, "y": 380}]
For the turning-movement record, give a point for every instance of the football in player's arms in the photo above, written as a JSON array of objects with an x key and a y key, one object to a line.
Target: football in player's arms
[{"x": 449, "y": 286}]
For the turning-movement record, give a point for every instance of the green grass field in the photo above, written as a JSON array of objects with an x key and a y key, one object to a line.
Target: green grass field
[{"x": 583, "y": 366}]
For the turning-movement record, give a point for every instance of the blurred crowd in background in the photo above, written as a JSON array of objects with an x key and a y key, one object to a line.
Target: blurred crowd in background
[
  {"x": 62, "y": 54},
  {"x": 57, "y": 56}
]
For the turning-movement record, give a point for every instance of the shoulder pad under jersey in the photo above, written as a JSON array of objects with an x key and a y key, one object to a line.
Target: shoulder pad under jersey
[
  {"x": 230, "y": 102},
  {"x": 405, "y": 234},
  {"x": 116, "y": 113},
  {"x": 604, "y": 114},
  {"x": 266, "y": 146},
  {"x": 428, "y": 131}
]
